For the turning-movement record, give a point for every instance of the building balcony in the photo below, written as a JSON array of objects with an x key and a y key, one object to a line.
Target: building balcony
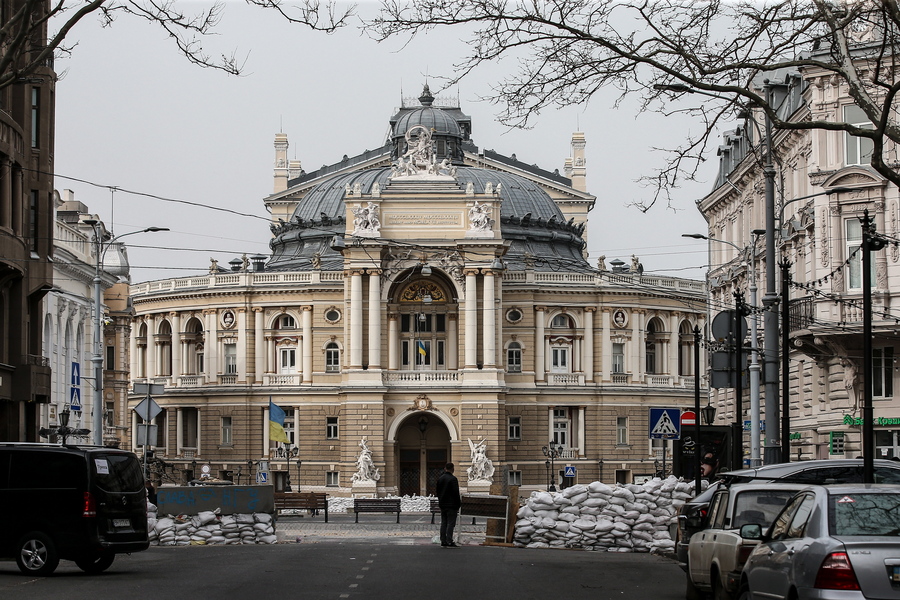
[
  {"x": 191, "y": 381},
  {"x": 282, "y": 379},
  {"x": 420, "y": 377},
  {"x": 565, "y": 379}
]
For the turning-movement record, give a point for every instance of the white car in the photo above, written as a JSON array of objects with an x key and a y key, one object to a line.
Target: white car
[{"x": 717, "y": 554}]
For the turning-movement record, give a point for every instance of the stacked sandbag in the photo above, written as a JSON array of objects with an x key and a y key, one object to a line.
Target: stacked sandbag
[
  {"x": 622, "y": 518},
  {"x": 152, "y": 518},
  {"x": 209, "y": 527}
]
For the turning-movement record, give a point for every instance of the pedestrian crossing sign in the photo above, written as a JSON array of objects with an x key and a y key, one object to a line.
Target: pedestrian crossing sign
[
  {"x": 665, "y": 424},
  {"x": 570, "y": 472}
]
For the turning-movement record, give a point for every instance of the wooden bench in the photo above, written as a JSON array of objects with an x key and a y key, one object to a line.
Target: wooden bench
[
  {"x": 435, "y": 508},
  {"x": 312, "y": 501},
  {"x": 376, "y": 505}
]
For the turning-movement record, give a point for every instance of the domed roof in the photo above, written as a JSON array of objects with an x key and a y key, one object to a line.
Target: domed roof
[
  {"x": 529, "y": 218},
  {"x": 436, "y": 120}
]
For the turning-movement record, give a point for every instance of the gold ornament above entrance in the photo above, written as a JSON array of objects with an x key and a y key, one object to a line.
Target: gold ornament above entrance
[{"x": 423, "y": 291}]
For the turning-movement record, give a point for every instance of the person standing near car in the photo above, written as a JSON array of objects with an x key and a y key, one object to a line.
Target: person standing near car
[{"x": 447, "y": 490}]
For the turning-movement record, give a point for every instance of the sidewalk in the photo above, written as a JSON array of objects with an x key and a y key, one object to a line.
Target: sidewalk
[{"x": 414, "y": 528}]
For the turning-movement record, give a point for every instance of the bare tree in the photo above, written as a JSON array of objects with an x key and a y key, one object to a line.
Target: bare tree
[
  {"x": 567, "y": 50},
  {"x": 26, "y": 21}
]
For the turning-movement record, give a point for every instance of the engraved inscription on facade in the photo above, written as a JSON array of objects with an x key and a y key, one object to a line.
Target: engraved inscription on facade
[{"x": 410, "y": 219}]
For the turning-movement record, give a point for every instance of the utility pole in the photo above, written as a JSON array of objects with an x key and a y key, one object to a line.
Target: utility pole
[
  {"x": 770, "y": 302},
  {"x": 737, "y": 428},
  {"x": 785, "y": 361},
  {"x": 697, "y": 484},
  {"x": 870, "y": 242}
]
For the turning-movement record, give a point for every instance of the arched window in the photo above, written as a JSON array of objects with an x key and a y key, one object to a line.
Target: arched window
[
  {"x": 514, "y": 357},
  {"x": 285, "y": 322},
  {"x": 561, "y": 321},
  {"x": 165, "y": 349},
  {"x": 332, "y": 358}
]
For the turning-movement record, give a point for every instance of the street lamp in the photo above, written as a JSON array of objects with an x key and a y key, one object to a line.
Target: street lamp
[
  {"x": 97, "y": 358},
  {"x": 709, "y": 413},
  {"x": 553, "y": 451}
]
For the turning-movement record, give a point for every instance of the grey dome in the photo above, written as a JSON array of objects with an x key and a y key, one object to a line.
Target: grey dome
[{"x": 539, "y": 234}]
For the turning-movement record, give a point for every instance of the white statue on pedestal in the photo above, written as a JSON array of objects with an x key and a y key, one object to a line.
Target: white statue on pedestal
[
  {"x": 482, "y": 468},
  {"x": 365, "y": 466}
]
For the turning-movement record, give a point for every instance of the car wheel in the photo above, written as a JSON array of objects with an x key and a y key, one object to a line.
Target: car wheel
[
  {"x": 719, "y": 591},
  {"x": 744, "y": 593},
  {"x": 36, "y": 554},
  {"x": 691, "y": 592},
  {"x": 97, "y": 563}
]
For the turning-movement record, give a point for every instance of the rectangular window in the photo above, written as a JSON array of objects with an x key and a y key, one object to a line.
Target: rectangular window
[
  {"x": 332, "y": 359},
  {"x": 560, "y": 360},
  {"x": 110, "y": 358},
  {"x": 227, "y": 439},
  {"x": 33, "y": 220},
  {"x": 651, "y": 358},
  {"x": 423, "y": 353},
  {"x": 853, "y": 229},
  {"x": 618, "y": 358},
  {"x": 289, "y": 424},
  {"x": 331, "y": 428},
  {"x": 515, "y": 478},
  {"x": 35, "y": 117},
  {"x": 514, "y": 358},
  {"x": 230, "y": 359},
  {"x": 858, "y": 149},
  {"x": 515, "y": 428},
  {"x": 200, "y": 364},
  {"x": 621, "y": 431},
  {"x": 332, "y": 479},
  {"x": 440, "y": 353},
  {"x": 561, "y": 426},
  {"x": 883, "y": 372},
  {"x": 404, "y": 352},
  {"x": 288, "y": 361}
]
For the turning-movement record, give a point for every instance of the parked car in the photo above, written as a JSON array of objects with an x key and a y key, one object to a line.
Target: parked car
[
  {"x": 692, "y": 517},
  {"x": 84, "y": 504},
  {"x": 829, "y": 542},
  {"x": 716, "y": 555}
]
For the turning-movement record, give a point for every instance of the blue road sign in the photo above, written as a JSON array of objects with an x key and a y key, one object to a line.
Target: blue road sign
[
  {"x": 665, "y": 424},
  {"x": 76, "y": 373},
  {"x": 262, "y": 477},
  {"x": 570, "y": 472},
  {"x": 75, "y": 399}
]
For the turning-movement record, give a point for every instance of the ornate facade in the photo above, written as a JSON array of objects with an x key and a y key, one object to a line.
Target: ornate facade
[
  {"x": 820, "y": 239},
  {"x": 425, "y": 300}
]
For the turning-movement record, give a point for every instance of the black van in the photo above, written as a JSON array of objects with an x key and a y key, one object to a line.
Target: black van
[{"x": 79, "y": 503}]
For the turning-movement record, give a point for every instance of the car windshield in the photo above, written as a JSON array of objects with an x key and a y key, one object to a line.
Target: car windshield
[
  {"x": 759, "y": 506},
  {"x": 118, "y": 472},
  {"x": 864, "y": 514}
]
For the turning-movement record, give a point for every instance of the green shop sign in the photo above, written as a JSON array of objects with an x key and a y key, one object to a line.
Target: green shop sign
[{"x": 883, "y": 421}]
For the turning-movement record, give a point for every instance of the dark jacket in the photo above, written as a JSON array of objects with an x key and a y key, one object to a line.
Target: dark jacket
[{"x": 447, "y": 490}]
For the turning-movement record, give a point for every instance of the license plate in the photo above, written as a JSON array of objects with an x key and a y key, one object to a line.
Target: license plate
[
  {"x": 127, "y": 523},
  {"x": 895, "y": 574}
]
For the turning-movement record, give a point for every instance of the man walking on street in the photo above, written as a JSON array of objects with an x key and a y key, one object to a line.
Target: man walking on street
[{"x": 447, "y": 489}]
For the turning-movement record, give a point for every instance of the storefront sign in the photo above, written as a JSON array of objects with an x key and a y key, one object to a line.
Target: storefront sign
[{"x": 881, "y": 421}]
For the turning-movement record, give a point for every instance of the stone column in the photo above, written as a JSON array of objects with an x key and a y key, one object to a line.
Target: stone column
[
  {"x": 489, "y": 352},
  {"x": 674, "y": 345},
  {"x": 199, "y": 429},
  {"x": 259, "y": 345},
  {"x": 151, "y": 347},
  {"x": 588, "y": 346},
  {"x": 375, "y": 319},
  {"x": 471, "y": 312},
  {"x": 453, "y": 342},
  {"x": 210, "y": 346},
  {"x": 638, "y": 352},
  {"x": 133, "y": 346},
  {"x": 606, "y": 346},
  {"x": 539, "y": 352},
  {"x": 393, "y": 342},
  {"x": 356, "y": 319},
  {"x": 176, "y": 347},
  {"x": 880, "y": 281},
  {"x": 179, "y": 432},
  {"x": 307, "y": 349},
  {"x": 241, "y": 349}
]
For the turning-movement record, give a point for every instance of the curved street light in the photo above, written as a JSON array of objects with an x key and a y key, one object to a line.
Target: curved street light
[
  {"x": 100, "y": 247},
  {"x": 553, "y": 451}
]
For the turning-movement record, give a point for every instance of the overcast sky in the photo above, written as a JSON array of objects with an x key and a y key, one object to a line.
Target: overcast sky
[{"x": 132, "y": 113}]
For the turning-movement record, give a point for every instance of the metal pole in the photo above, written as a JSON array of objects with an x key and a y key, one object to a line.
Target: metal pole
[
  {"x": 785, "y": 362},
  {"x": 97, "y": 358},
  {"x": 755, "y": 460},
  {"x": 697, "y": 484},
  {"x": 737, "y": 428},
  {"x": 868, "y": 432},
  {"x": 770, "y": 301}
]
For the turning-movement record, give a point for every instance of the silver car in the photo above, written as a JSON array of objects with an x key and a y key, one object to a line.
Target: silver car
[{"x": 835, "y": 542}]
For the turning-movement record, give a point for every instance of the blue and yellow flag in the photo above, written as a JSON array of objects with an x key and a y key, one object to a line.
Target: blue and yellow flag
[
  {"x": 421, "y": 345},
  {"x": 276, "y": 424}
]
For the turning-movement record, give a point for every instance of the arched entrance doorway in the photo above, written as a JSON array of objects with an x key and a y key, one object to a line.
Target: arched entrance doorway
[{"x": 423, "y": 448}]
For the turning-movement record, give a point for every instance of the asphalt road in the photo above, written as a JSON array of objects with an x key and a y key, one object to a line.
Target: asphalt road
[{"x": 373, "y": 569}]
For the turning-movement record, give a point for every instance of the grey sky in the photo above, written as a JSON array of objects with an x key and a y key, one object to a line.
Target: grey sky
[{"x": 133, "y": 113}]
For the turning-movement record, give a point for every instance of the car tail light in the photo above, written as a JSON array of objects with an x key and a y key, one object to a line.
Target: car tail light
[
  {"x": 90, "y": 505},
  {"x": 836, "y": 573},
  {"x": 744, "y": 553}
]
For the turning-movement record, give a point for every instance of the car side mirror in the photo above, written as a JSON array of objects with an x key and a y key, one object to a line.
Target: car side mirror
[{"x": 751, "y": 531}]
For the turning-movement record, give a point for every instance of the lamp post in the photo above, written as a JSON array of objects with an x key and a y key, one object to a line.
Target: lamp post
[
  {"x": 97, "y": 358},
  {"x": 552, "y": 451}
]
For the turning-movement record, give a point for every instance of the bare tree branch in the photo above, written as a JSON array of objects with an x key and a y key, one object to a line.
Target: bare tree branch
[{"x": 565, "y": 51}]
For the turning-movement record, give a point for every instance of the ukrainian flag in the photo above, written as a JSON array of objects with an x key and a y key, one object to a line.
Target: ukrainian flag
[
  {"x": 276, "y": 424},
  {"x": 421, "y": 345}
]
